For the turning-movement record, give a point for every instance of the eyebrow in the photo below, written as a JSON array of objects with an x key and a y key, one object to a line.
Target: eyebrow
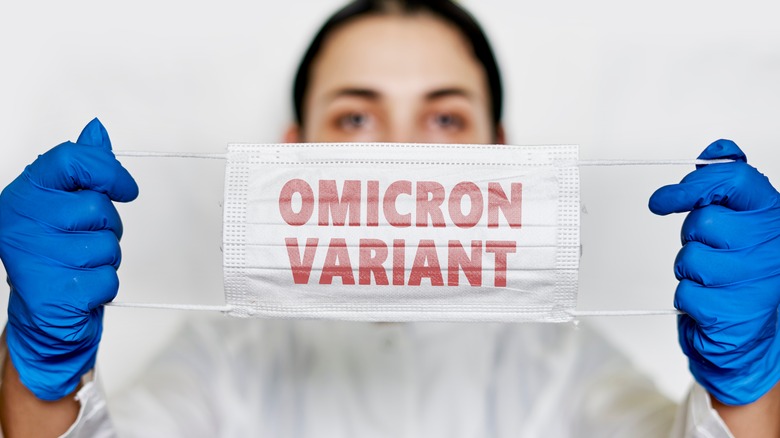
[
  {"x": 369, "y": 94},
  {"x": 364, "y": 93},
  {"x": 447, "y": 92}
]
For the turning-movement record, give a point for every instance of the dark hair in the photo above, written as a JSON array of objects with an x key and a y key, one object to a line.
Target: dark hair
[{"x": 445, "y": 9}]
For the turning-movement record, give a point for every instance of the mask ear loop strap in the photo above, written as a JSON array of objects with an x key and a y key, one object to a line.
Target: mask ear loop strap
[
  {"x": 158, "y": 154},
  {"x": 194, "y": 307},
  {"x": 580, "y": 163},
  {"x": 606, "y": 163},
  {"x": 228, "y": 309},
  {"x": 599, "y": 313}
]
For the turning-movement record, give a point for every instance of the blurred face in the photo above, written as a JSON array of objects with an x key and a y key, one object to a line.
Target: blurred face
[{"x": 396, "y": 79}]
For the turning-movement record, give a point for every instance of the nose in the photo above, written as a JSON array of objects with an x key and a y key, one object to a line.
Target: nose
[
  {"x": 404, "y": 137},
  {"x": 401, "y": 129}
]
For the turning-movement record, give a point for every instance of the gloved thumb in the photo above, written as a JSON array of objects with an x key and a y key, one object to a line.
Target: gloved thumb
[
  {"x": 87, "y": 164},
  {"x": 722, "y": 149},
  {"x": 95, "y": 134},
  {"x": 736, "y": 185}
]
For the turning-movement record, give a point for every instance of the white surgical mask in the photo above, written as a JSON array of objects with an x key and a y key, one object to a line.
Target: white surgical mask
[{"x": 402, "y": 232}]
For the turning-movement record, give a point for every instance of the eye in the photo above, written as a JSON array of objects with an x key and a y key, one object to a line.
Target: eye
[
  {"x": 353, "y": 121},
  {"x": 447, "y": 121}
]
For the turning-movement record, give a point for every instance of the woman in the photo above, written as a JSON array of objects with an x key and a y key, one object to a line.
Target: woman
[{"x": 377, "y": 71}]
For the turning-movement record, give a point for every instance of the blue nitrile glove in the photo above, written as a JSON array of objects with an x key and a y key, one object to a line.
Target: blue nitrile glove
[
  {"x": 59, "y": 242},
  {"x": 729, "y": 272}
]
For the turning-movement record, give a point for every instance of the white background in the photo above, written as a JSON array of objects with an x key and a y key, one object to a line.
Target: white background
[{"x": 648, "y": 80}]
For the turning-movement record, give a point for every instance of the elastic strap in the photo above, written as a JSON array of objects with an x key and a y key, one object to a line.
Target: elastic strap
[
  {"x": 581, "y": 163},
  {"x": 227, "y": 309},
  {"x": 196, "y": 307}
]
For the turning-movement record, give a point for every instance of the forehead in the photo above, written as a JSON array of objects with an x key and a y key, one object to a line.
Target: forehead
[{"x": 397, "y": 55}]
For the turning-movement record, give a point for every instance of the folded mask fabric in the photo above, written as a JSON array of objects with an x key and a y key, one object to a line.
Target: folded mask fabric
[{"x": 402, "y": 232}]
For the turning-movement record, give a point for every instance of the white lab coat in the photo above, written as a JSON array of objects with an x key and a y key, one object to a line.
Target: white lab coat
[{"x": 279, "y": 378}]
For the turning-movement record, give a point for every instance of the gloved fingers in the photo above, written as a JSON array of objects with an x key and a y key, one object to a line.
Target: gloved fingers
[
  {"x": 737, "y": 186},
  {"x": 72, "y": 167},
  {"x": 692, "y": 298},
  {"x": 714, "y": 308},
  {"x": 728, "y": 338},
  {"x": 65, "y": 332},
  {"x": 688, "y": 334},
  {"x": 728, "y": 346},
  {"x": 719, "y": 267},
  {"x": 93, "y": 287},
  {"x": 699, "y": 346},
  {"x": 100, "y": 286},
  {"x": 85, "y": 210},
  {"x": 721, "y": 227},
  {"x": 49, "y": 293},
  {"x": 723, "y": 149},
  {"x": 79, "y": 329},
  {"x": 84, "y": 249}
]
